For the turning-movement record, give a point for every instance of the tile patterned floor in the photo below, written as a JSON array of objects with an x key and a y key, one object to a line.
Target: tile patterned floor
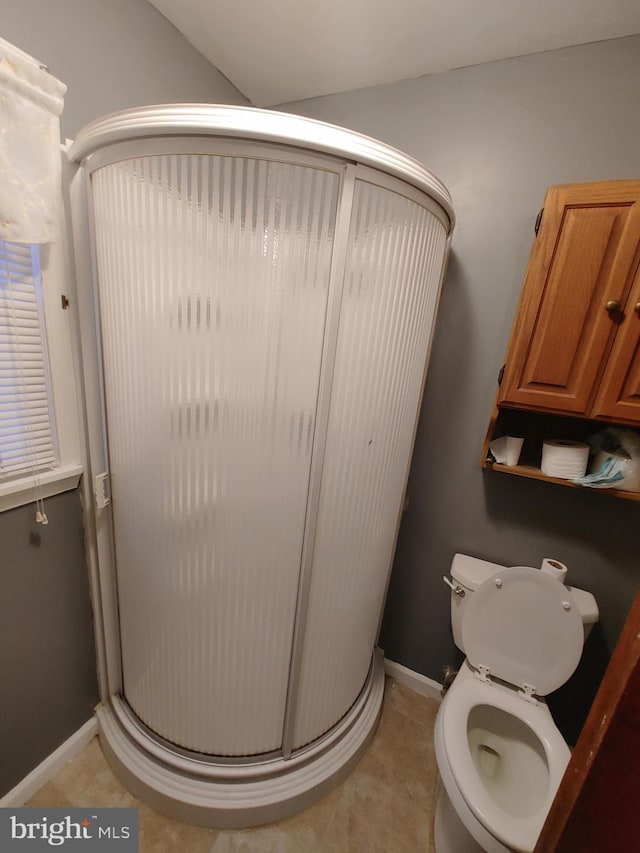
[{"x": 385, "y": 806}]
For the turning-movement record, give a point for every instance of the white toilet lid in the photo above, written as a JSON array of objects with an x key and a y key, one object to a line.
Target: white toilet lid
[{"x": 525, "y": 627}]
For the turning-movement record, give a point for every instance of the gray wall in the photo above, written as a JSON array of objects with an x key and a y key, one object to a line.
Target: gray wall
[
  {"x": 498, "y": 135},
  {"x": 112, "y": 54},
  {"x": 47, "y": 658}
]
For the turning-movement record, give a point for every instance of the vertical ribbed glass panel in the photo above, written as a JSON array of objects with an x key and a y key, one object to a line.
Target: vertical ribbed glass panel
[
  {"x": 394, "y": 269},
  {"x": 213, "y": 278}
]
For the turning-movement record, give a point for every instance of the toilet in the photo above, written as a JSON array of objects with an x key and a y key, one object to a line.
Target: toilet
[{"x": 499, "y": 752}]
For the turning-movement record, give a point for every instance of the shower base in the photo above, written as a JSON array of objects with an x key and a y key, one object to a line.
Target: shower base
[{"x": 238, "y": 795}]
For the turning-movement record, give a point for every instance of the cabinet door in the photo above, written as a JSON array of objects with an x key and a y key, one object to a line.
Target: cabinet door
[
  {"x": 619, "y": 393},
  {"x": 580, "y": 268}
]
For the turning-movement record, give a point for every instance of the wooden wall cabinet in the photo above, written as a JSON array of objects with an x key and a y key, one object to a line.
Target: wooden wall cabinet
[{"x": 575, "y": 345}]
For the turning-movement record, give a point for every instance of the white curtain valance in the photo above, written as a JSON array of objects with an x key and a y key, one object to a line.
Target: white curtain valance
[{"x": 31, "y": 101}]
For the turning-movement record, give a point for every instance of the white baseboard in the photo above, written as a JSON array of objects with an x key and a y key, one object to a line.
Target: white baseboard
[
  {"x": 48, "y": 768},
  {"x": 415, "y": 680}
]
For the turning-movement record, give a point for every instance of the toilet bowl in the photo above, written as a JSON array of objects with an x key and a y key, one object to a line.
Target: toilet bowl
[
  {"x": 501, "y": 759},
  {"x": 499, "y": 752}
]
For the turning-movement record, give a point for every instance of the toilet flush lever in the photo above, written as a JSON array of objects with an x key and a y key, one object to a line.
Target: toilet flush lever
[{"x": 457, "y": 589}]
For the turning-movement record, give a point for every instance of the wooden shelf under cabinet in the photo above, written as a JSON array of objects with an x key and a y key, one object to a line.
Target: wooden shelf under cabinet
[
  {"x": 536, "y": 427},
  {"x": 536, "y": 474}
]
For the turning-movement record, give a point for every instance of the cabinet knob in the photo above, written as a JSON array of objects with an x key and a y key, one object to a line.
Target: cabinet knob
[
  {"x": 612, "y": 306},
  {"x": 637, "y": 308}
]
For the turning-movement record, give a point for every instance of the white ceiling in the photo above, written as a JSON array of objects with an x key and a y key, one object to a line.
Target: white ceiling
[{"x": 277, "y": 51}]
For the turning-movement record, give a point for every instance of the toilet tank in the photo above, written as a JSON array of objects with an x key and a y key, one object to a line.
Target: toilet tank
[{"x": 468, "y": 573}]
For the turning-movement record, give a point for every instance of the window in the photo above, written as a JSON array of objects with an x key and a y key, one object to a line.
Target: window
[
  {"x": 26, "y": 423},
  {"x": 39, "y": 422}
]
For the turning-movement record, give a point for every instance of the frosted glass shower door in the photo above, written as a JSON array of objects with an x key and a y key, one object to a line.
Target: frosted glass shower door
[
  {"x": 394, "y": 268},
  {"x": 213, "y": 276}
]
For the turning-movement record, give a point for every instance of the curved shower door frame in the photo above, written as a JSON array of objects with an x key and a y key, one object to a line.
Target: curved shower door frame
[
  {"x": 186, "y": 784},
  {"x": 100, "y": 544},
  {"x": 94, "y": 353}
]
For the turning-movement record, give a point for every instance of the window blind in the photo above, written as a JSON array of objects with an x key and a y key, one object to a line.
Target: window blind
[{"x": 26, "y": 424}]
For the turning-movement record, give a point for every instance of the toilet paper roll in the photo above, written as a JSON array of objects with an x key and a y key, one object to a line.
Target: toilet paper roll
[
  {"x": 514, "y": 448},
  {"x": 506, "y": 449},
  {"x": 554, "y": 568},
  {"x": 498, "y": 448},
  {"x": 564, "y": 459}
]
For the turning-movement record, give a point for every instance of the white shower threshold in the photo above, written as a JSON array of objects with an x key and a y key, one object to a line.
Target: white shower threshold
[{"x": 227, "y": 796}]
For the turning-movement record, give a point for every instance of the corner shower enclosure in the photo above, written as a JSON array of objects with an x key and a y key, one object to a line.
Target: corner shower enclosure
[{"x": 257, "y": 297}]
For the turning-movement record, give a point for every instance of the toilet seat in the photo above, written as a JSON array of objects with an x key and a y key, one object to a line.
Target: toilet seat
[
  {"x": 466, "y": 693},
  {"x": 523, "y": 627}
]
